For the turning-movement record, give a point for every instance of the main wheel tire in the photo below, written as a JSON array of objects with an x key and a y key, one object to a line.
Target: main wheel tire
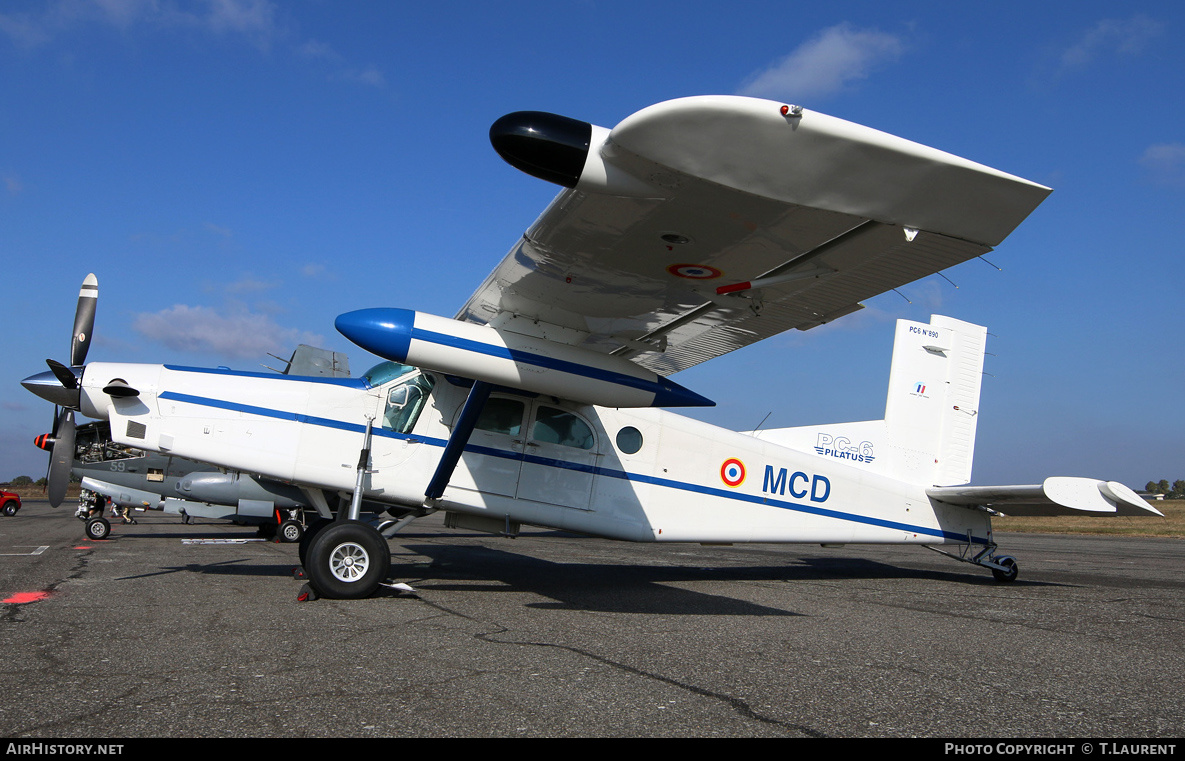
[
  {"x": 290, "y": 531},
  {"x": 1012, "y": 569},
  {"x": 347, "y": 560},
  {"x": 310, "y": 533},
  {"x": 97, "y": 528},
  {"x": 10, "y": 509}
]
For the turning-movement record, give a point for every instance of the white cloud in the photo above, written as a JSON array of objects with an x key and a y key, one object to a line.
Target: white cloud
[
  {"x": 237, "y": 334},
  {"x": 248, "y": 283},
  {"x": 251, "y": 17},
  {"x": 1165, "y": 162},
  {"x": 1126, "y": 37},
  {"x": 23, "y": 29},
  {"x": 833, "y": 59},
  {"x": 318, "y": 49},
  {"x": 371, "y": 76},
  {"x": 256, "y": 20},
  {"x": 261, "y": 23},
  {"x": 124, "y": 13},
  {"x": 224, "y": 232}
]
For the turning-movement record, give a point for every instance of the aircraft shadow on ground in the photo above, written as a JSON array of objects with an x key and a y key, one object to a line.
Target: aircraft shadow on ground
[
  {"x": 634, "y": 588},
  {"x": 597, "y": 587}
]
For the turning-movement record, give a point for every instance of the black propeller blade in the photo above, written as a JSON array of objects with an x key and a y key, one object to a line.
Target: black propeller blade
[
  {"x": 62, "y": 458},
  {"x": 62, "y": 386},
  {"x": 64, "y": 374},
  {"x": 84, "y": 320}
]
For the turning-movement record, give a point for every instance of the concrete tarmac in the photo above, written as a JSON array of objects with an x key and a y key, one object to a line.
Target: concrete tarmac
[{"x": 143, "y": 635}]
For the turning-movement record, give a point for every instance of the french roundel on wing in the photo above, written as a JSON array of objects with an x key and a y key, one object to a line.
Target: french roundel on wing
[
  {"x": 732, "y": 472},
  {"x": 694, "y": 271}
]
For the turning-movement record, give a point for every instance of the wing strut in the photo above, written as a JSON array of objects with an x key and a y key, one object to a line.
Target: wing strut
[{"x": 457, "y": 441}]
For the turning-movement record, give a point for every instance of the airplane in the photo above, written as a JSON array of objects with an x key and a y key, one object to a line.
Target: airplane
[
  {"x": 133, "y": 477},
  {"x": 692, "y": 228},
  {"x": 129, "y": 477}
]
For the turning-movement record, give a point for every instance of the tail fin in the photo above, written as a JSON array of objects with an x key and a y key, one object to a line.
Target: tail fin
[
  {"x": 928, "y": 434},
  {"x": 933, "y": 402}
]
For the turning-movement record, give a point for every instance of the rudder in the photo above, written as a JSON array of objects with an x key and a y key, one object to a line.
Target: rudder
[{"x": 933, "y": 401}]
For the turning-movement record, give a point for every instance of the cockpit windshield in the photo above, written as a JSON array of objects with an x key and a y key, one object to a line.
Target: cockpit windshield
[{"x": 384, "y": 372}]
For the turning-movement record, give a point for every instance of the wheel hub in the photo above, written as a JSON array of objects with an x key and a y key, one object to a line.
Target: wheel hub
[{"x": 349, "y": 562}]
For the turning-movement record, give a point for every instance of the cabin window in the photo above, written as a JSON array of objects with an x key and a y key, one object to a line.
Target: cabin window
[
  {"x": 629, "y": 439},
  {"x": 405, "y": 402},
  {"x": 501, "y": 415},
  {"x": 555, "y": 426}
]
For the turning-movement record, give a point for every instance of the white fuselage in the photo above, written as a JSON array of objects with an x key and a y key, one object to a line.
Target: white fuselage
[{"x": 670, "y": 478}]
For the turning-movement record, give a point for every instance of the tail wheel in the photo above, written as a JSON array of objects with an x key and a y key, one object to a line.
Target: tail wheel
[
  {"x": 1011, "y": 569},
  {"x": 97, "y": 528},
  {"x": 347, "y": 560}
]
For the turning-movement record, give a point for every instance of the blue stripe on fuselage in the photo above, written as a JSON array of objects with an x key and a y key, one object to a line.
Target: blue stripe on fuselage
[{"x": 564, "y": 464}]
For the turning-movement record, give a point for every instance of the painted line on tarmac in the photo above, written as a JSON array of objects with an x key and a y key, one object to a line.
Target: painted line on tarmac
[{"x": 37, "y": 551}]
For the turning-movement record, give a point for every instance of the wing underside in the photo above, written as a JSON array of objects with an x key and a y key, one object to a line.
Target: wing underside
[{"x": 801, "y": 217}]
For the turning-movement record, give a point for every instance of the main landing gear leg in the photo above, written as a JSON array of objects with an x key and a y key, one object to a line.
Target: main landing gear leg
[
  {"x": 345, "y": 559},
  {"x": 1003, "y": 567}
]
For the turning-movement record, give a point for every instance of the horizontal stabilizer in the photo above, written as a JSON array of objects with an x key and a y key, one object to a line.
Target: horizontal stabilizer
[{"x": 1059, "y": 495}]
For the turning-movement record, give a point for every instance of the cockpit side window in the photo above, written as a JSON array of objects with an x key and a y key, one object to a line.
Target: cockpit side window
[{"x": 405, "y": 401}]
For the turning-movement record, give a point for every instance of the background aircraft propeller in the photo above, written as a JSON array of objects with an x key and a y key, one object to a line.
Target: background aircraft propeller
[{"x": 61, "y": 458}]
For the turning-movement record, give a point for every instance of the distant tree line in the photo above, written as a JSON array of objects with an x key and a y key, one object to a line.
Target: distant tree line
[
  {"x": 25, "y": 481},
  {"x": 1174, "y": 491}
]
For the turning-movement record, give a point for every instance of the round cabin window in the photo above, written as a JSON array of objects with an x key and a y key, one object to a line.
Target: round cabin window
[{"x": 629, "y": 440}]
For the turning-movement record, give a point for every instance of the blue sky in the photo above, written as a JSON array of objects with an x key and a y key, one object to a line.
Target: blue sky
[{"x": 239, "y": 172}]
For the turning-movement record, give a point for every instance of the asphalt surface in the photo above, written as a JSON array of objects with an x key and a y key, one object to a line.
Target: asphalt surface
[{"x": 552, "y": 635}]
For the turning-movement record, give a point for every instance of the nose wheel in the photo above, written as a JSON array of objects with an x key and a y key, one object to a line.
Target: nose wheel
[{"x": 347, "y": 560}]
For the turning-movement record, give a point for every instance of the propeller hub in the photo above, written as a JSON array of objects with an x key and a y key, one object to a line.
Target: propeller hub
[{"x": 47, "y": 386}]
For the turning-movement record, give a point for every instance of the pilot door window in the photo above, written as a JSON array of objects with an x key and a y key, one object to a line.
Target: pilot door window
[
  {"x": 405, "y": 402},
  {"x": 554, "y": 426},
  {"x": 501, "y": 415}
]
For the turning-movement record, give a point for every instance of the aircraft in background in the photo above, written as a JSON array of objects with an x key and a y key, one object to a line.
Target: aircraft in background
[{"x": 692, "y": 228}]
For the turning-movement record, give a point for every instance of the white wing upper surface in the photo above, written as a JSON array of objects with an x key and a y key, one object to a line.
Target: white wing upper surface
[{"x": 694, "y": 194}]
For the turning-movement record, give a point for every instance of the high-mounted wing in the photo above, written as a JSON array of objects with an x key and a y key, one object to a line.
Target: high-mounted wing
[{"x": 701, "y": 225}]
